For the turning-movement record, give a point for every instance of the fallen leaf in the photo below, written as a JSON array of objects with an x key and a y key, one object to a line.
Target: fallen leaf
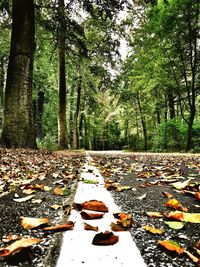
[
  {"x": 122, "y": 188},
  {"x": 181, "y": 185},
  {"x": 11, "y": 237},
  {"x": 58, "y": 228},
  {"x": 197, "y": 195},
  {"x": 88, "y": 181},
  {"x": 105, "y": 239},
  {"x": 154, "y": 214},
  {"x": 117, "y": 227},
  {"x": 197, "y": 245},
  {"x": 153, "y": 230},
  {"x": 61, "y": 191},
  {"x": 28, "y": 191},
  {"x": 19, "y": 245},
  {"x": 175, "y": 204},
  {"x": 166, "y": 194},
  {"x": 77, "y": 206},
  {"x": 184, "y": 216},
  {"x": 94, "y": 205},
  {"x": 29, "y": 223},
  {"x": 142, "y": 196},
  {"x": 175, "y": 225},
  {"x": 91, "y": 216},
  {"x": 172, "y": 246},
  {"x": 124, "y": 219},
  {"x": 90, "y": 227},
  {"x": 193, "y": 258},
  {"x": 34, "y": 186},
  {"x": 37, "y": 201},
  {"x": 23, "y": 199},
  {"x": 55, "y": 206}
]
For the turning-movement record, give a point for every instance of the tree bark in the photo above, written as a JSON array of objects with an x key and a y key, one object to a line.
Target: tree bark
[
  {"x": 171, "y": 105},
  {"x": 144, "y": 128},
  {"x": 62, "y": 119},
  {"x": 39, "y": 114},
  {"x": 76, "y": 117},
  {"x": 18, "y": 125}
]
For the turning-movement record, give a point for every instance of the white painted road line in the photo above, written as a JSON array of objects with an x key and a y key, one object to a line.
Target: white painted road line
[{"x": 77, "y": 249}]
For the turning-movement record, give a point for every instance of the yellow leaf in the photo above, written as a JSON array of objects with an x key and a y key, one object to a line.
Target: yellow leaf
[{"x": 153, "y": 230}]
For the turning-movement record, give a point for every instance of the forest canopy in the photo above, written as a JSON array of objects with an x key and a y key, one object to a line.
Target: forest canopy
[{"x": 100, "y": 74}]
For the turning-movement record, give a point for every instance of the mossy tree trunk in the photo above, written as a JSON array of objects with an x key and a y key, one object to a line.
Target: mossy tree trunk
[{"x": 18, "y": 125}]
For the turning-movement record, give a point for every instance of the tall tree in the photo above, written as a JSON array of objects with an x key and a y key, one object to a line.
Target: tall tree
[
  {"x": 62, "y": 119},
  {"x": 18, "y": 126}
]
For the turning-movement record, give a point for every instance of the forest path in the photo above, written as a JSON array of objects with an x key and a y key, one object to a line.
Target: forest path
[{"x": 77, "y": 248}]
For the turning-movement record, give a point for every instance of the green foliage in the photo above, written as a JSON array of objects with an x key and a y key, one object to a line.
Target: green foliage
[
  {"x": 49, "y": 142},
  {"x": 170, "y": 136}
]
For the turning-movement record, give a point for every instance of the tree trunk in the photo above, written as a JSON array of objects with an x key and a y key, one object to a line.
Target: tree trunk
[
  {"x": 171, "y": 105},
  {"x": 71, "y": 114},
  {"x": 189, "y": 131},
  {"x": 62, "y": 120},
  {"x": 18, "y": 125},
  {"x": 144, "y": 128},
  {"x": 39, "y": 114},
  {"x": 76, "y": 116}
]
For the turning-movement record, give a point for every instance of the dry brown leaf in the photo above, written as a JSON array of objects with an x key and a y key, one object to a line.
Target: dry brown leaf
[
  {"x": 117, "y": 227},
  {"x": 105, "y": 239},
  {"x": 166, "y": 194},
  {"x": 11, "y": 237},
  {"x": 34, "y": 186},
  {"x": 153, "y": 230},
  {"x": 28, "y": 191},
  {"x": 91, "y": 216},
  {"x": 19, "y": 245},
  {"x": 154, "y": 214},
  {"x": 172, "y": 246},
  {"x": 56, "y": 207},
  {"x": 193, "y": 258},
  {"x": 58, "y": 228},
  {"x": 181, "y": 185},
  {"x": 197, "y": 245},
  {"x": 90, "y": 227},
  {"x": 175, "y": 204},
  {"x": 29, "y": 223},
  {"x": 94, "y": 205}
]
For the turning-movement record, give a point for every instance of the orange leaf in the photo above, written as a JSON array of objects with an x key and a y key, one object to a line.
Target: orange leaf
[
  {"x": 62, "y": 227},
  {"x": 153, "y": 230},
  {"x": 94, "y": 205},
  {"x": 29, "y": 223},
  {"x": 90, "y": 227},
  {"x": 105, "y": 239},
  {"x": 19, "y": 245},
  {"x": 177, "y": 215},
  {"x": 172, "y": 246},
  {"x": 197, "y": 195},
  {"x": 91, "y": 216},
  {"x": 175, "y": 204}
]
